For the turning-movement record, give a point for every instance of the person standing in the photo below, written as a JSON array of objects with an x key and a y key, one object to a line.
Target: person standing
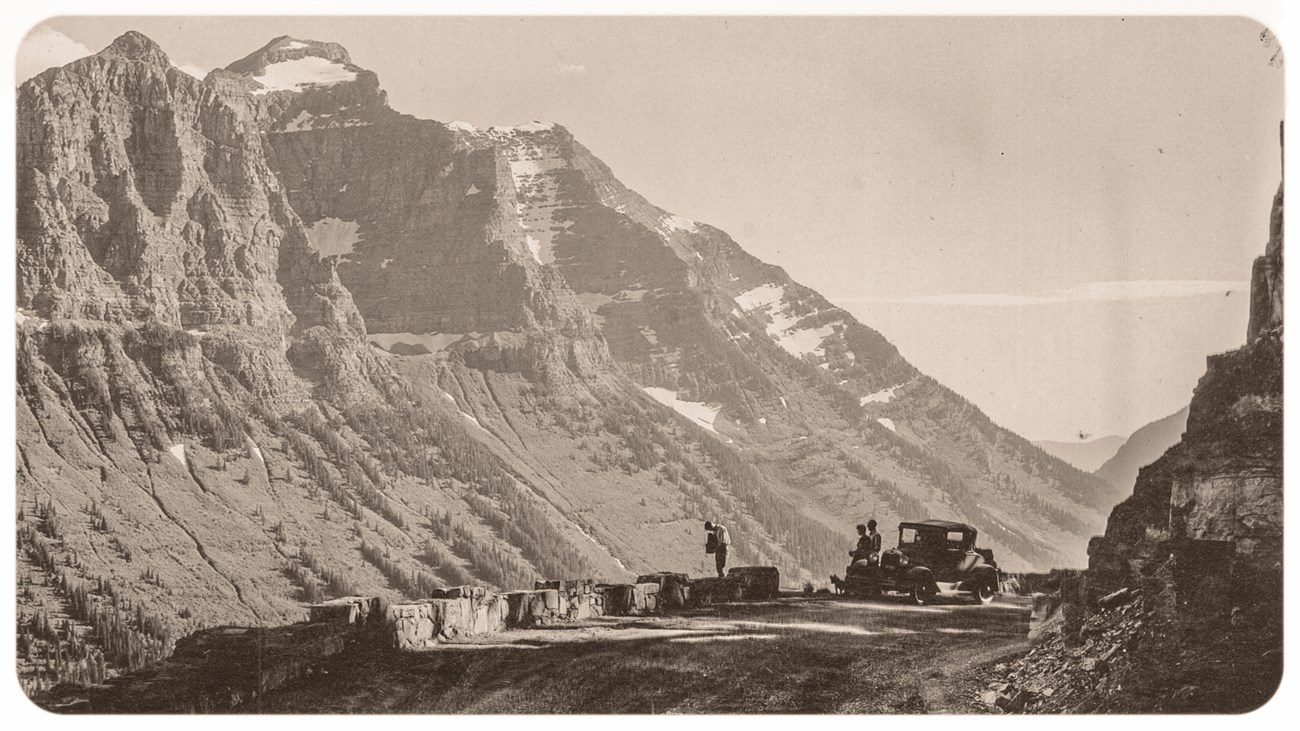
[{"x": 716, "y": 543}]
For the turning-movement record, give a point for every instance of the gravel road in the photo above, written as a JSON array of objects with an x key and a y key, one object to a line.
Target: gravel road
[{"x": 799, "y": 654}]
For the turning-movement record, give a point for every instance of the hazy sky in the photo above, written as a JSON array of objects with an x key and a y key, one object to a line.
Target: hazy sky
[{"x": 1056, "y": 217}]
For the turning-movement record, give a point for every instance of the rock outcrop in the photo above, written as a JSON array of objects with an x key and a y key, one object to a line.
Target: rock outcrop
[
  {"x": 1180, "y": 609},
  {"x": 1205, "y": 520}
]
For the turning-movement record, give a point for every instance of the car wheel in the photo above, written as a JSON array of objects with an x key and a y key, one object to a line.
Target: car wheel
[
  {"x": 984, "y": 593},
  {"x": 921, "y": 595}
]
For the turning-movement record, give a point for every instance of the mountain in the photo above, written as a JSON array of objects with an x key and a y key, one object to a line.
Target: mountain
[
  {"x": 1142, "y": 448},
  {"x": 278, "y": 341},
  {"x": 1087, "y": 456}
]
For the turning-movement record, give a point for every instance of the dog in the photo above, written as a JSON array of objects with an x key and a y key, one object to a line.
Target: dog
[{"x": 838, "y": 583}]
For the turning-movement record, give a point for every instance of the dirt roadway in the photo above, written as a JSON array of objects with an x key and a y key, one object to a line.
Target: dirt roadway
[{"x": 793, "y": 655}]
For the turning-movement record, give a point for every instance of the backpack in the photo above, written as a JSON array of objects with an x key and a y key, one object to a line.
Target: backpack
[{"x": 711, "y": 543}]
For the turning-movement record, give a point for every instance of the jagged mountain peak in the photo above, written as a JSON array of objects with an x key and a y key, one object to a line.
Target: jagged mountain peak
[
  {"x": 135, "y": 46},
  {"x": 288, "y": 48},
  {"x": 294, "y": 65}
]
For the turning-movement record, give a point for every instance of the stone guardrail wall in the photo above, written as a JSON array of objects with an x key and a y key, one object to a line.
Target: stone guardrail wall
[
  {"x": 474, "y": 610},
  {"x": 222, "y": 668}
]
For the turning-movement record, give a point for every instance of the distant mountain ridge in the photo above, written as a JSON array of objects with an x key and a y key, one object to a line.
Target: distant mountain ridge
[
  {"x": 278, "y": 341},
  {"x": 1087, "y": 456},
  {"x": 1142, "y": 448}
]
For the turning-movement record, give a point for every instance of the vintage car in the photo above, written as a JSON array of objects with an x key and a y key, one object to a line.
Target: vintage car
[{"x": 933, "y": 558}]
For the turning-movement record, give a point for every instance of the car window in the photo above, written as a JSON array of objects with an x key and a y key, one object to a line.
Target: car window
[
  {"x": 955, "y": 538},
  {"x": 907, "y": 535}
]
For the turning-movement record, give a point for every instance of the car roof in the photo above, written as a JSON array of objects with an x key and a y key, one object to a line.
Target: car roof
[{"x": 944, "y": 524}]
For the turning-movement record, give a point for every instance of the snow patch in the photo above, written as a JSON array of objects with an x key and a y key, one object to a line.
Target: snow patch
[
  {"x": 887, "y": 423},
  {"x": 762, "y": 419},
  {"x": 783, "y": 403},
  {"x": 294, "y": 44},
  {"x": 534, "y": 126},
  {"x": 472, "y": 190},
  {"x": 696, "y": 411},
  {"x": 783, "y": 327},
  {"x": 762, "y": 296},
  {"x": 534, "y": 247},
  {"x": 178, "y": 451},
  {"x": 300, "y": 73},
  {"x": 334, "y": 236},
  {"x": 882, "y": 396},
  {"x": 462, "y": 126},
  {"x": 678, "y": 223},
  {"x": 384, "y": 264},
  {"x": 807, "y": 341}
]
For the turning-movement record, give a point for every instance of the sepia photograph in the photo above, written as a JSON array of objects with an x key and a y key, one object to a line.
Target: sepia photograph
[{"x": 647, "y": 364}]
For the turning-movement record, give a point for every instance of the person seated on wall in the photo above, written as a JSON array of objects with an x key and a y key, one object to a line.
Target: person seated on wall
[{"x": 868, "y": 548}]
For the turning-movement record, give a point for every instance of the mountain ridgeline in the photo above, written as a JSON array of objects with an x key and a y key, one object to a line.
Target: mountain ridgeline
[{"x": 277, "y": 341}]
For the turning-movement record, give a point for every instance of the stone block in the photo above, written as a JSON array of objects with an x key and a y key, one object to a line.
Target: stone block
[
  {"x": 714, "y": 590},
  {"x": 552, "y": 598},
  {"x": 638, "y": 599},
  {"x": 757, "y": 582},
  {"x": 411, "y": 624},
  {"x": 618, "y": 599},
  {"x": 333, "y": 613},
  {"x": 356, "y": 610},
  {"x": 457, "y": 616},
  {"x": 517, "y": 614},
  {"x": 659, "y": 577},
  {"x": 580, "y": 607},
  {"x": 567, "y": 587}
]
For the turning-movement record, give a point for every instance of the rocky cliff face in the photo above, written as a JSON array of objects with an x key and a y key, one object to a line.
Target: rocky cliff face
[
  {"x": 424, "y": 228},
  {"x": 1266, "y": 280},
  {"x": 1210, "y": 509}
]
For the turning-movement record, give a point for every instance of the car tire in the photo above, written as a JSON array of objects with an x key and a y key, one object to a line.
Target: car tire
[
  {"x": 984, "y": 593},
  {"x": 921, "y": 595}
]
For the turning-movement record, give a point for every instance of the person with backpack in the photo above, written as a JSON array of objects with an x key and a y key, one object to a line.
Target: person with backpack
[{"x": 716, "y": 543}]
